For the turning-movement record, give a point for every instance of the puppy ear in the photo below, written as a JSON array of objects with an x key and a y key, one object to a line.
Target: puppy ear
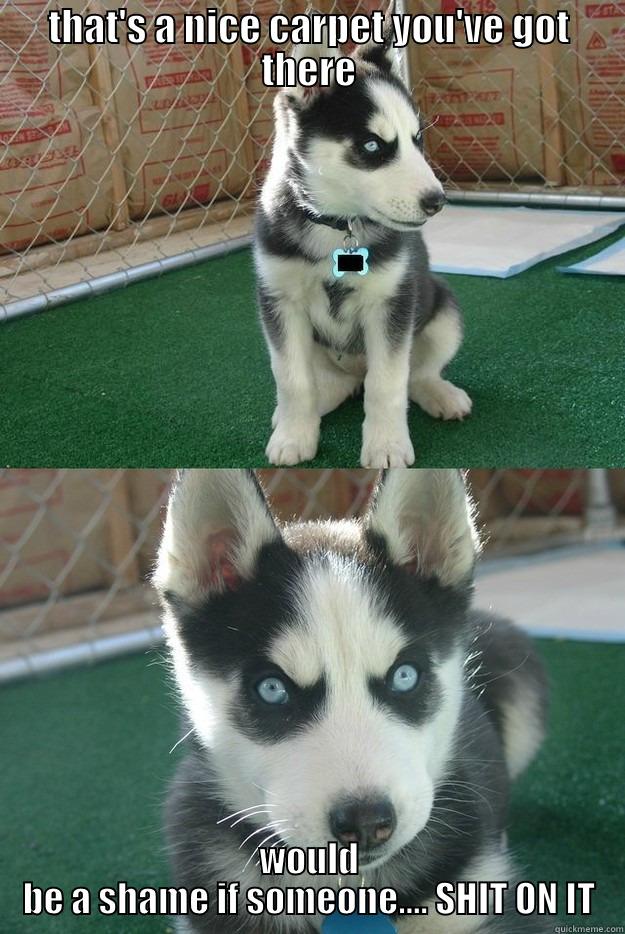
[
  {"x": 217, "y": 522},
  {"x": 301, "y": 97},
  {"x": 382, "y": 55},
  {"x": 426, "y": 520}
]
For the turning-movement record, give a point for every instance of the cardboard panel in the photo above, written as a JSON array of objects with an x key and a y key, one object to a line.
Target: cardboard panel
[
  {"x": 55, "y": 179},
  {"x": 591, "y": 79},
  {"x": 49, "y": 526},
  {"x": 486, "y": 101},
  {"x": 182, "y": 131}
]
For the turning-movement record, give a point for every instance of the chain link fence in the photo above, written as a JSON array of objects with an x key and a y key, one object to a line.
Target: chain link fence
[
  {"x": 122, "y": 160},
  {"x": 77, "y": 546}
]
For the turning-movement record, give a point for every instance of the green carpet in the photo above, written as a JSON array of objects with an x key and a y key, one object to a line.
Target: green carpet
[
  {"x": 174, "y": 371},
  {"x": 85, "y": 757}
]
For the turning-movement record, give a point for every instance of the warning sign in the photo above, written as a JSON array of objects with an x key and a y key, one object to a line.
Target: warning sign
[{"x": 596, "y": 42}]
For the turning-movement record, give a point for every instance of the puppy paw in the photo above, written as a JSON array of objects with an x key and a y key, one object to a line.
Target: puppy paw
[
  {"x": 293, "y": 442},
  {"x": 384, "y": 448},
  {"x": 441, "y": 399}
]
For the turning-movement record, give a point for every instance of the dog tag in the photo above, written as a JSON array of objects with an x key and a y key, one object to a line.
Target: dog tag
[
  {"x": 350, "y": 260},
  {"x": 337, "y": 923}
]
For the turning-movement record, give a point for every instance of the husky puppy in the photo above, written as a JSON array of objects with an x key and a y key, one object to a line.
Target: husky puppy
[
  {"x": 339, "y": 687},
  {"x": 350, "y": 159}
]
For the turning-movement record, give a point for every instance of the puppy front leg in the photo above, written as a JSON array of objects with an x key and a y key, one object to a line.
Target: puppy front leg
[
  {"x": 296, "y": 419},
  {"x": 385, "y": 437}
]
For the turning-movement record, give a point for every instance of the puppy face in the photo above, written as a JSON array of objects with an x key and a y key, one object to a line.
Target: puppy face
[
  {"x": 326, "y": 675},
  {"x": 358, "y": 150}
]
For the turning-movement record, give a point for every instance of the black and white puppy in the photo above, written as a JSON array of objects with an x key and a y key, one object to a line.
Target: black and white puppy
[
  {"x": 353, "y": 155},
  {"x": 339, "y": 687}
]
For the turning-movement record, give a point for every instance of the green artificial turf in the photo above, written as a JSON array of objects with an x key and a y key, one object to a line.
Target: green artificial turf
[
  {"x": 85, "y": 759},
  {"x": 173, "y": 371}
]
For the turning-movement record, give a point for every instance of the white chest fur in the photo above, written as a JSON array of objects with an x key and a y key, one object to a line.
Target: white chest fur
[{"x": 336, "y": 307}]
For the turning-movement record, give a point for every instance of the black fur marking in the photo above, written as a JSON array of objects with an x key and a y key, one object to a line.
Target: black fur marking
[
  {"x": 503, "y": 662},
  {"x": 230, "y": 634},
  {"x": 359, "y": 157},
  {"x": 271, "y": 316},
  {"x": 387, "y": 245},
  {"x": 269, "y": 723},
  {"x": 277, "y": 238},
  {"x": 401, "y": 312},
  {"x": 442, "y": 294},
  {"x": 377, "y": 55},
  {"x": 231, "y": 630},
  {"x": 417, "y": 706},
  {"x": 336, "y": 293},
  {"x": 354, "y": 345},
  {"x": 433, "y": 617},
  {"x": 334, "y": 115}
]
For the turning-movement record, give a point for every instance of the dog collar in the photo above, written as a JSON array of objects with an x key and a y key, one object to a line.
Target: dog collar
[
  {"x": 353, "y": 257},
  {"x": 327, "y": 220}
]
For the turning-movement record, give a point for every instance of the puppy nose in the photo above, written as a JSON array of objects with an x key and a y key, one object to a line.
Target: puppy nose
[
  {"x": 432, "y": 202},
  {"x": 369, "y": 823}
]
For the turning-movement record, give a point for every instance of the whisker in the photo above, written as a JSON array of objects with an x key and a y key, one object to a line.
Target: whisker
[
  {"x": 257, "y": 813},
  {"x": 443, "y": 810},
  {"x": 260, "y": 830},
  {"x": 265, "y": 790},
  {"x": 284, "y": 842},
  {"x": 504, "y": 674},
  {"x": 186, "y": 736},
  {"x": 256, "y": 849},
  {"x": 428, "y": 125},
  {"x": 455, "y": 830},
  {"x": 476, "y": 789},
  {"x": 251, "y": 807}
]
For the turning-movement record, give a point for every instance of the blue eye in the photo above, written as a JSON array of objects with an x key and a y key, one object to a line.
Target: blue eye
[
  {"x": 272, "y": 691},
  {"x": 371, "y": 145},
  {"x": 404, "y": 678}
]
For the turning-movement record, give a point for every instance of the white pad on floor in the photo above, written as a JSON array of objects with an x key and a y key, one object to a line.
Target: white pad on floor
[
  {"x": 572, "y": 593},
  {"x": 609, "y": 262},
  {"x": 503, "y": 241}
]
